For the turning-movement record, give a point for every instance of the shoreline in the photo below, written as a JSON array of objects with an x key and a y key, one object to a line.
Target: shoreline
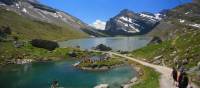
[
  {"x": 129, "y": 84},
  {"x": 135, "y": 79},
  {"x": 103, "y": 68}
]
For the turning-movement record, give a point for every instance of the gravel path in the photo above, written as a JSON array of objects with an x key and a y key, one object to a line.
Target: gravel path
[{"x": 166, "y": 80}]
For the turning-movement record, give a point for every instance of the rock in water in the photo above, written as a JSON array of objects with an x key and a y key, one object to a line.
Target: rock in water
[{"x": 102, "y": 86}]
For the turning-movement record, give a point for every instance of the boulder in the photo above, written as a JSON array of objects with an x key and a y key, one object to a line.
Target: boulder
[
  {"x": 185, "y": 61},
  {"x": 102, "y": 86},
  {"x": 158, "y": 57},
  {"x": 46, "y": 44},
  {"x": 4, "y": 31},
  {"x": 155, "y": 40},
  {"x": 176, "y": 60},
  {"x": 23, "y": 61},
  {"x": 102, "y": 47},
  {"x": 198, "y": 65},
  {"x": 18, "y": 44}
]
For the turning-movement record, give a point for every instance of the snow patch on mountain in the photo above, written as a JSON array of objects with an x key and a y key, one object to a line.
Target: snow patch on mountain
[
  {"x": 146, "y": 16},
  {"x": 126, "y": 19},
  {"x": 153, "y": 18},
  {"x": 158, "y": 16},
  {"x": 135, "y": 29}
]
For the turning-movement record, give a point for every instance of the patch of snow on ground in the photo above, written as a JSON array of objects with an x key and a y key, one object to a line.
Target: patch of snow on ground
[
  {"x": 181, "y": 20},
  {"x": 195, "y": 25},
  {"x": 55, "y": 15},
  {"x": 24, "y": 10},
  {"x": 59, "y": 14},
  {"x": 17, "y": 5},
  {"x": 187, "y": 13}
]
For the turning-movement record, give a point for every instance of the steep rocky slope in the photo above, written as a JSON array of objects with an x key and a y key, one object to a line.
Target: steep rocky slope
[
  {"x": 34, "y": 11},
  {"x": 179, "y": 20},
  {"x": 129, "y": 23},
  {"x": 180, "y": 32}
]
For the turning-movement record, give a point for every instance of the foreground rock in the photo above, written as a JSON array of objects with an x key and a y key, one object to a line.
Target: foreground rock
[
  {"x": 102, "y": 86},
  {"x": 155, "y": 40},
  {"x": 20, "y": 61},
  {"x": 130, "y": 83}
]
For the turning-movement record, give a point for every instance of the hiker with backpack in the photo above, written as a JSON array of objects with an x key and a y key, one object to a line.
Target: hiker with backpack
[
  {"x": 174, "y": 75},
  {"x": 182, "y": 78}
]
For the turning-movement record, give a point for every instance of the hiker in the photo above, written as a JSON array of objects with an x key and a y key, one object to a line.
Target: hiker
[
  {"x": 183, "y": 80},
  {"x": 54, "y": 84},
  {"x": 174, "y": 75}
]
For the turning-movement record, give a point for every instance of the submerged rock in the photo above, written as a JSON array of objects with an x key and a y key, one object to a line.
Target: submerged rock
[{"x": 102, "y": 86}]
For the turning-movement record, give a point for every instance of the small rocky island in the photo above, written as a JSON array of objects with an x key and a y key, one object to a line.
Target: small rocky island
[{"x": 98, "y": 60}]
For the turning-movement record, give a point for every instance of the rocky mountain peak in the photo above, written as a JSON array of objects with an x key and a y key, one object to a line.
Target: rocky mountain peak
[
  {"x": 129, "y": 22},
  {"x": 36, "y": 1},
  {"x": 126, "y": 13}
]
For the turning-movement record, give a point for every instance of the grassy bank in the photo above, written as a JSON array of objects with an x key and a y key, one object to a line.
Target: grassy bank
[
  {"x": 148, "y": 77},
  {"x": 25, "y": 28},
  {"x": 9, "y": 52},
  {"x": 185, "y": 47}
]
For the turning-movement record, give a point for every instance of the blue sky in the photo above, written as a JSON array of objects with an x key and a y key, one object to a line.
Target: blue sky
[{"x": 91, "y": 10}]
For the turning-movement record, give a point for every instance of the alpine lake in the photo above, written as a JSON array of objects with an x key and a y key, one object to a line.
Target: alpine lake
[{"x": 41, "y": 74}]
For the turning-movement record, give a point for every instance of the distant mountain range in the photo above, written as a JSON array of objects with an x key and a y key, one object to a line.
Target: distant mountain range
[
  {"x": 125, "y": 23},
  {"x": 130, "y": 23}
]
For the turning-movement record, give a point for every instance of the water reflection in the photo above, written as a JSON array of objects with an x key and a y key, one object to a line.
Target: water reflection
[{"x": 116, "y": 43}]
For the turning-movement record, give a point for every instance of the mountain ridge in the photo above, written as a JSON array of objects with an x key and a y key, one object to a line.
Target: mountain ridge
[
  {"x": 128, "y": 22},
  {"x": 34, "y": 10}
]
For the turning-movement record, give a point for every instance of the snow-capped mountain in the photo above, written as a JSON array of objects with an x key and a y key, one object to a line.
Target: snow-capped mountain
[{"x": 128, "y": 22}]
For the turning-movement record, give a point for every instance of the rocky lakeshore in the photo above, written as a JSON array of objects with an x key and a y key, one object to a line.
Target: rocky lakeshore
[
  {"x": 129, "y": 84},
  {"x": 135, "y": 79},
  {"x": 103, "y": 68}
]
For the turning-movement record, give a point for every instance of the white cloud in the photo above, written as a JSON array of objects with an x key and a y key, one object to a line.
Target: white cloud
[{"x": 98, "y": 24}]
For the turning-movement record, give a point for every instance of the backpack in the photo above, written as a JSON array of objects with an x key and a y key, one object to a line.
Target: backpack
[
  {"x": 183, "y": 80},
  {"x": 174, "y": 74}
]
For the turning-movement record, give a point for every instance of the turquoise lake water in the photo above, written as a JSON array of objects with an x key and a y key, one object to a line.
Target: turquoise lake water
[{"x": 40, "y": 75}]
